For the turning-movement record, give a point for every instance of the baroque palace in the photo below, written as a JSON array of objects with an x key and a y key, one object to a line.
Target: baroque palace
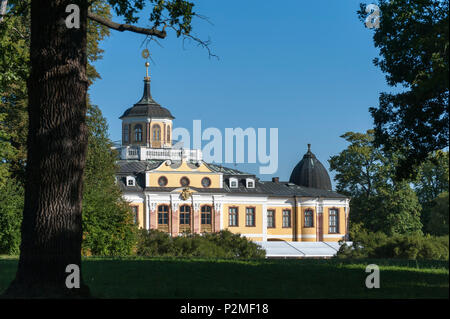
[{"x": 173, "y": 190}]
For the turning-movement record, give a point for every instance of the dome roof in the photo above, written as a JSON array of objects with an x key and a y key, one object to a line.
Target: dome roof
[
  {"x": 147, "y": 107},
  {"x": 310, "y": 172}
]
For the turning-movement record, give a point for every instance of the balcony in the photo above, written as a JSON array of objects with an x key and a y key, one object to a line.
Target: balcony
[{"x": 143, "y": 153}]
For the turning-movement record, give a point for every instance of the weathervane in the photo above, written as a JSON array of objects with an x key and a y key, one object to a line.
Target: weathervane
[{"x": 145, "y": 55}]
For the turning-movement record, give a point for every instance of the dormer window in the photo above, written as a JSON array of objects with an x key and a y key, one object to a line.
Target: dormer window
[
  {"x": 131, "y": 181},
  {"x": 250, "y": 183},
  {"x": 233, "y": 183}
]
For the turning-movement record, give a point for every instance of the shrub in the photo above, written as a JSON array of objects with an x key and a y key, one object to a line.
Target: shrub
[
  {"x": 379, "y": 245},
  {"x": 223, "y": 244},
  {"x": 11, "y": 207}
]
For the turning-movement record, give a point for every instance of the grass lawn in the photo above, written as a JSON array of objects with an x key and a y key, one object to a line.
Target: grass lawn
[{"x": 201, "y": 278}]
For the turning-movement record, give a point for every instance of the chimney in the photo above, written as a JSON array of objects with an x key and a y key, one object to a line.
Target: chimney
[{"x": 275, "y": 179}]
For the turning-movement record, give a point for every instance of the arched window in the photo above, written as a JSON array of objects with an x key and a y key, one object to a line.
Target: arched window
[
  {"x": 156, "y": 132},
  {"x": 138, "y": 133},
  {"x": 126, "y": 133},
  {"x": 206, "y": 215},
  {"x": 168, "y": 134}
]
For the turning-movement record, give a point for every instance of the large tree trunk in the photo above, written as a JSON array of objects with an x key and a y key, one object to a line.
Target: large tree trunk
[{"x": 57, "y": 140}]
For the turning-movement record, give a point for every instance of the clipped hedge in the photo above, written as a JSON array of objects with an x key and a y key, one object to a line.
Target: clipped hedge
[{"x": 223, "y": 244}]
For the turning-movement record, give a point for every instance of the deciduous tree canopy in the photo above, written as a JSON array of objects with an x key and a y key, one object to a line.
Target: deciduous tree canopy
[{"x": 413, "y": 39}]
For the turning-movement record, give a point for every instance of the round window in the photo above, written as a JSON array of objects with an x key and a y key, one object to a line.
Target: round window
[
  {"x": 184, "y": 181},
  {"x": 206, "y": 182},
  {"x": 162, "y": 181}
]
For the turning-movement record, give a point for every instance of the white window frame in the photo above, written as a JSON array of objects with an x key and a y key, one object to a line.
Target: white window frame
[
  {"x": 132, "y": 179},
  {"x": 249, "y": 180},
  {"x": 235, "y": 180}
]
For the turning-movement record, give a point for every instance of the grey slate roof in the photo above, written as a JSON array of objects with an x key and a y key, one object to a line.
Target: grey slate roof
[
  {"x": 265, "y": 188},
  {"x": 290, "y": 189},
  {"x": 225, "y": 170},
  {"x": 147, "y": 107},
  {"x": 138, "y": 187},
  {"x": 135, "y": 166}
]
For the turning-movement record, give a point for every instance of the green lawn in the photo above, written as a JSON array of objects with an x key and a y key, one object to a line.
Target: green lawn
[{"x": 200, "y": 278}]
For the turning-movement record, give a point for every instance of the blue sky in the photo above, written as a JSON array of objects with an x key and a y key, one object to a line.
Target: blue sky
[{"x": 304, "y": 67}]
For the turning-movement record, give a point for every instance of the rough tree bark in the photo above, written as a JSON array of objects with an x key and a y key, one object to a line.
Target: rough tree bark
[{"x": 57, "y": 141}]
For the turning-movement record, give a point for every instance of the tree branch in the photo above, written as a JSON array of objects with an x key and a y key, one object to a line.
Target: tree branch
[
  {"x": 126, "y": 27},
  {"x": 3, "y": 9}
]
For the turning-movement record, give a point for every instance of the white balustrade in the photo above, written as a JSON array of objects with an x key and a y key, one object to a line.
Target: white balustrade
[{"x": 146, "y": 153}]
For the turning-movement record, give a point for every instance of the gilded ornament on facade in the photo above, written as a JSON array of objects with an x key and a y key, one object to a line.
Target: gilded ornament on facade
[{"x": 186, "y": 193}]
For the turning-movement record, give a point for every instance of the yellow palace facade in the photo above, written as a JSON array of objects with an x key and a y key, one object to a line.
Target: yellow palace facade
[{"x": 175, "y": 191}]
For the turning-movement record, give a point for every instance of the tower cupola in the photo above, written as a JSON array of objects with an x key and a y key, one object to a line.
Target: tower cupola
[{"x": 310, "y": 172}]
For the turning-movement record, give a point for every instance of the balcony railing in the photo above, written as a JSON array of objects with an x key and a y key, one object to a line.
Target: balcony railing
[{"x": 146, "y": 153}]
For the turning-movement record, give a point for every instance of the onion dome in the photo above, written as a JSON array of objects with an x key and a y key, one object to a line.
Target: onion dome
[{"x": 310, "y": 172}]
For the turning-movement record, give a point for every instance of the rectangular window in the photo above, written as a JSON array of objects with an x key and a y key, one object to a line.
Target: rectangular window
[
  {"x": 271, "y": 219},
  {"x": 206, "y": 215},
  {"x": 333, "y": 221},
  {"x": 185, "y": 218},
  {"x": 163, "y": 215},
  {"x": 309, "y": 221},
  {"x": 286, "y": 218},
  {"x": 232, "y": 216},
  {"x": 250, "y": 217},
  {"x": 135, "y": 211},
  {"x": 185, "y": 215}
]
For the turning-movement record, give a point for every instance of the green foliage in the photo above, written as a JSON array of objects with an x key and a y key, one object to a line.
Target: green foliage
[
  {"x": 433, "y": 177},
  {"x": 96, "y": 33},
  {"x": 413, "y": 39},
  {"x": 14, "y": 71},
  {"x": 433, "y": 180},
  {"x": 378, "y": 245},
  {"x": 108, "y": 228},
  {"x": 176, "y": 14},
  {"x": 438, "y": 223},
  {"x": 11, "y": 207},
  {"x": 378, "y": 201},
  {"x": 223, "y": 244}
]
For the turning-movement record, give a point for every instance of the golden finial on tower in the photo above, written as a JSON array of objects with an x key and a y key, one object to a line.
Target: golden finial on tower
[{"x": 145, "y": 55}]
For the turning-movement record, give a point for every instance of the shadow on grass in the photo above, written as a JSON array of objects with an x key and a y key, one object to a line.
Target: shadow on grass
[{"x": 200, "y": 278}]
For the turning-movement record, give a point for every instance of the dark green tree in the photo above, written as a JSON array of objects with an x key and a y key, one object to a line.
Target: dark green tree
[
  {"x": 433, "y": 177},
  {"x": 378, "y": 200},
  {"x": 438, "y": 220},
  {"x": 413, "y": 39},
  {"x": 108, "y": 228},
  {"x": 432, "y": 180},
  {"x": 11, "y": 207}
]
